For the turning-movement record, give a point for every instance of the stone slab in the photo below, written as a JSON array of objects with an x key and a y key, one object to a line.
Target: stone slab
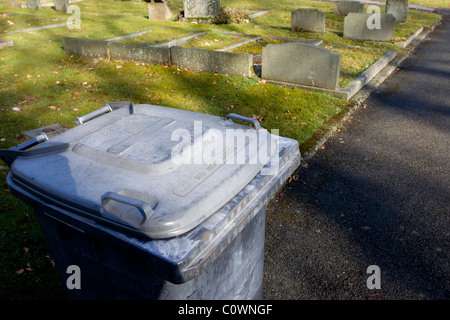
[
  {"x": 301, "y": 63},
  {"x": 202, "y": 60},
  {"x": 343, "y": 8},
  {"x": 355, "y": 27},
  {"x": 398, "y": 8},
  {"x": 88, "y": 48},
  {"x": 308, "y": 20},
  {"x": 146, "y": 54}
]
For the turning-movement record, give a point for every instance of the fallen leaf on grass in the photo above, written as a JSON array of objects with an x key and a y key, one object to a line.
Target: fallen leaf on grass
[
  {"x": 20, "y": 271},
  {"x": 118, "y": 67},
  {"x": 262, "y": 81}
]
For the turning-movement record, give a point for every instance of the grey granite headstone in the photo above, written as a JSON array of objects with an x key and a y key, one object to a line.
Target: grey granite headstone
[
  {"x": 343, "y": 8},
  {"x": 398, "y": 8},
  {"x": 61, "y": 5},
  {"x": 301, "y": 63},
  {"x": 34, "y": 4},
  {"x": 356, "y": 26},
  {"x": 201, "y": 8},
  {"x": 307, "y": 20}
]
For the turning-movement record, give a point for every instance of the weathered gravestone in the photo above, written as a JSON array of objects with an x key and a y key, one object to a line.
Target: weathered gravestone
[
  {"x": 61, "y": 5},
  {"x": 201, "y": 9},
  {"x": 34, "y": 4},
  {"x": 368, "y": 26},
  {"x": 307, "y": 20},
  {"x": 301, "y": 63},
  {"x": 159, "y": 10},
  {"x": 343, "y": 8},
  {"x": 398, "y": 8}
]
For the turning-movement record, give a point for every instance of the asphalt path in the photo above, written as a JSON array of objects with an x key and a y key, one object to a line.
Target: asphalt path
[{"x": 377, "y": 194}]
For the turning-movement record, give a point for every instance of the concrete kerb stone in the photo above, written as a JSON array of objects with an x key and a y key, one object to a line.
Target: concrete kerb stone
[
  {"x": 87, "y": 48},
  {"x": 38, "y": 28},
  {"x": 199, "y": 60},
  {"x": 203, "y": 60},
  {"x": 406, "y": 43},
  {"x": 129, "y": 35},
  {"x": 238, "y": 44},
  {"x": 179, "y": 41},
  {"x": 368, "y": 74}
]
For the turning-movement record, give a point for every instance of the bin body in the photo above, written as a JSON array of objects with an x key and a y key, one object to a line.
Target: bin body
[{"x": 218, "y": 256}]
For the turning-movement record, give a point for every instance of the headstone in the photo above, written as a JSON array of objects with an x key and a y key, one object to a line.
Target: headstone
[
  {"x": 201, "y": 8},
  {"x": 34, "y": 4},
  {"x": 301, "y": 63},
  {"x": 307, "y": 20},
  {"x": 159, "y": 10},
  {"x": 364, "y": 26},
  {"x": 398, "y": 8},
  {"x": 343, "y": 8},
  {"x": 61, "y": 5}
]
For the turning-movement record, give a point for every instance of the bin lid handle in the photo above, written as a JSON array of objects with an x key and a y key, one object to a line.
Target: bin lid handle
[
  {"x": 235, "y": 116},
  {"x": 143, "y": 208}
]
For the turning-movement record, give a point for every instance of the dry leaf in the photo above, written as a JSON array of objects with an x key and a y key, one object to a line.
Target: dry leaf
[
  {"x": 52, "y": 107},
  {"x": 20, "y": 271}
]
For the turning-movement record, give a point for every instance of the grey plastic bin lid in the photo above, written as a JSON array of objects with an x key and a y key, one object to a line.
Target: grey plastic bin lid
[{"x": 126, "y": 168}]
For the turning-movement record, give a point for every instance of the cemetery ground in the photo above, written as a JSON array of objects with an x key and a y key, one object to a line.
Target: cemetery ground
[{"x": 40, "y": 85}]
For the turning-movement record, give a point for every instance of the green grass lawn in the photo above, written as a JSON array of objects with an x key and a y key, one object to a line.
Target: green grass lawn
[{"x": 40, "y": 85}]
